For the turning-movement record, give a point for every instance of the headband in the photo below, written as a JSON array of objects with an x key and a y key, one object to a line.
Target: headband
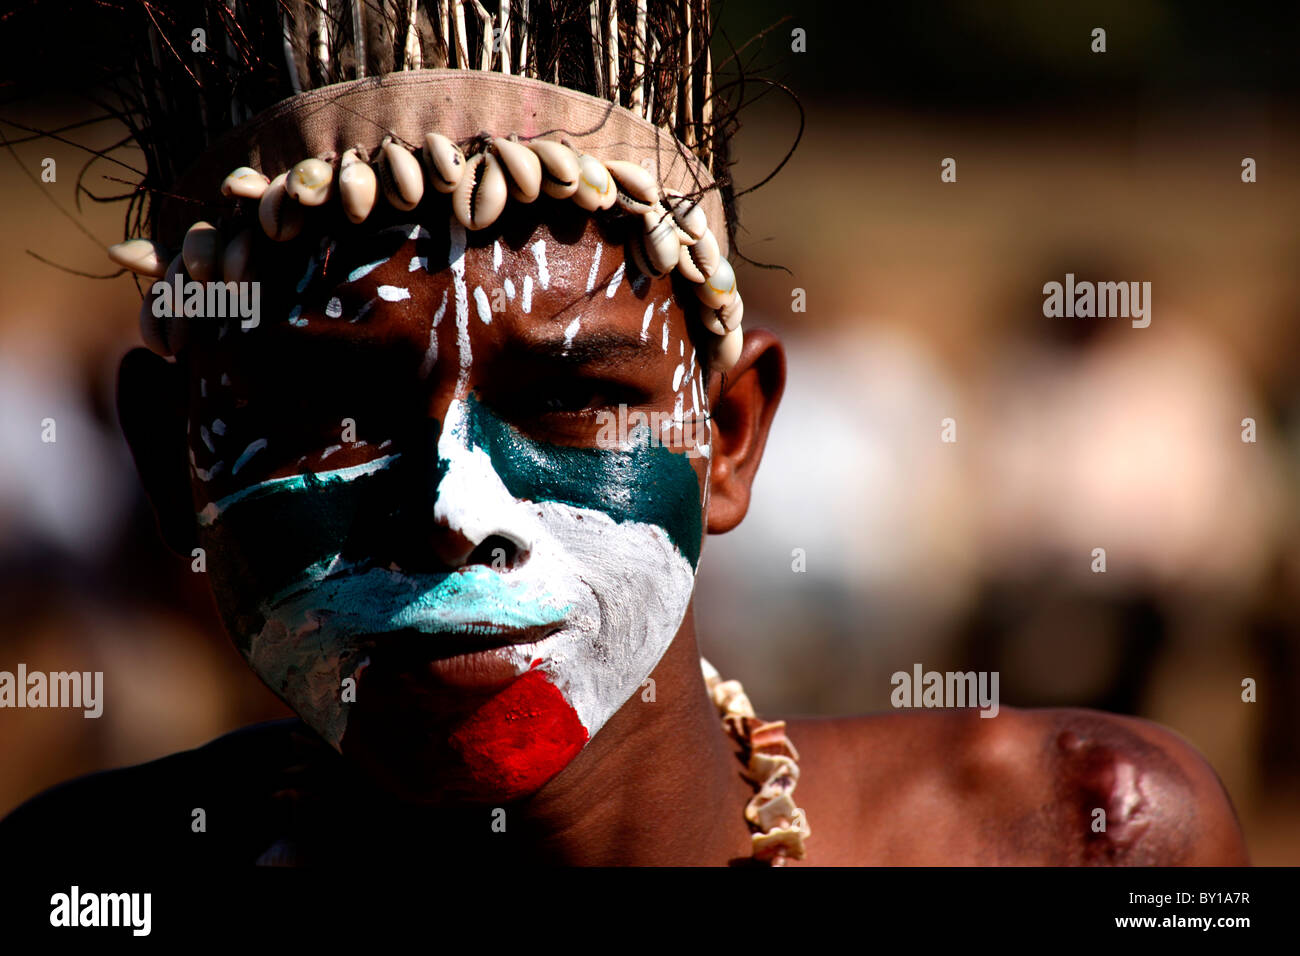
[{"x": 484, "y": 138}]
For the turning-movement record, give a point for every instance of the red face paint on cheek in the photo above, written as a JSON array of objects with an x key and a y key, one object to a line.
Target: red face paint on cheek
[{"x": 519, "y": 739}]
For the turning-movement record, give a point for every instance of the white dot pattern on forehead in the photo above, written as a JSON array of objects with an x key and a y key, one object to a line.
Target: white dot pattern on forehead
[
  {"x": 595, "y": 266},
  {"x": 543, "y": 273},
  {"x": 481, "y": 303},
  {"x": 570, "y": 331},
  {"x": 431, "y": 354},
  {"x": 614, "y": 282}
]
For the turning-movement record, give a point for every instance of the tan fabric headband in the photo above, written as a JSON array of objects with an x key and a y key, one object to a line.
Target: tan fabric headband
[{"x": 460, "y": 104}]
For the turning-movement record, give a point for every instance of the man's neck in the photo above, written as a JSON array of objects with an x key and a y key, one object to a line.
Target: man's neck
[{"x": 660, "y": 784}]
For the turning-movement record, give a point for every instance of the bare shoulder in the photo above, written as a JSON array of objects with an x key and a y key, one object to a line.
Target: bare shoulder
[{"x": 1051, "y": 787}]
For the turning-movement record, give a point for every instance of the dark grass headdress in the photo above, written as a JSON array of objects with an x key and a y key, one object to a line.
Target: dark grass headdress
[{"x": 275, "y": 110}]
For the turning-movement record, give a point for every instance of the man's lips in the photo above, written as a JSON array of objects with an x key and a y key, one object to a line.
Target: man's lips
[{"x": 470, "y": 661}]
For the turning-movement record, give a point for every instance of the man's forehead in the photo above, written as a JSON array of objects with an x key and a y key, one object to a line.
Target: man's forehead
[
  {"x": 536, "y": 286},
  {"x": 567, "y": 294},
  {"x": 433, "y": 245}
]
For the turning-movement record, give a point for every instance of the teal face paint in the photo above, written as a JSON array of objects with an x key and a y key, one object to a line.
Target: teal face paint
[
  {"x": 647, "y": 483},
  {"x": 277, "y": 534}
]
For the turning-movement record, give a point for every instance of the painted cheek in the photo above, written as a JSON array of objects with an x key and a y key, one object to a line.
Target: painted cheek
[{"x": 264, "y": 539}]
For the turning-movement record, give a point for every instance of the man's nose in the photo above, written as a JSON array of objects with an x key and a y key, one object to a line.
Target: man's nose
[
  {"x": 453, "y": 548},
  {"x": 474, "y": 519}
]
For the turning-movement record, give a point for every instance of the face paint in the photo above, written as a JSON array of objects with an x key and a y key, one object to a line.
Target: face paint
[
  {"x": 570, "y": 331},
  {"x": 614, "y": 534},
  {"x": 543, "y": 273},
  {"x": 608, "y": 542},
  {"x": 615, "y": 280},
  {"x": 595, "y": 267}
]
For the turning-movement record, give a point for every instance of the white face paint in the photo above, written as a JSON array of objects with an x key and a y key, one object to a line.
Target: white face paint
[
  {"x": 625, "y": 584},
  {"x": 595, "y": 267}
]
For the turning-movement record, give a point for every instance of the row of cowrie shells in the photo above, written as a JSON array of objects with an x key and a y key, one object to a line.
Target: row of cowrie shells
[{"x": 675, "y": 236}]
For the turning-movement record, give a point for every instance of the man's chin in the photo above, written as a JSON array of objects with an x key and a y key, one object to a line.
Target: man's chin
[{"x": 472, "y": 748}]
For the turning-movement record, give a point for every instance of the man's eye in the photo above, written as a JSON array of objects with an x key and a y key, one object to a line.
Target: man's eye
[
  {"x": 568, "y": 397},
  {"x": 559, "y": 403}
]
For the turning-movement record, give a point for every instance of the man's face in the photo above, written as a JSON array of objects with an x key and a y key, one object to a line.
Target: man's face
[{"x": 423, "y": 526}]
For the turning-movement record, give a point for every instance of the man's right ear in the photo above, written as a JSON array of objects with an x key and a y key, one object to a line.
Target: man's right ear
[{"x": 152, "y": 407}]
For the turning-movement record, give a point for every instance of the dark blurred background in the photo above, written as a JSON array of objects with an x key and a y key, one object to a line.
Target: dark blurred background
[{"x": 924, "y": 302}]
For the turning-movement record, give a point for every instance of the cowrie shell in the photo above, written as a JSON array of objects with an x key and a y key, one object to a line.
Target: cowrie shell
[
  {"x": 237, "y": 260},
  {"x": 595, "y": 185},
  {"x": 201, "y": 251},
  {"x": 522, "y": 167},
  {"x": 358, "y": 187},
  {"x": 142, "y": 256},
  {"x": 688, "y": 216},
  {"x": 636, "y": 246},
  {"x": 698, "y": 261},
  {"x": 662, "y": 246},
  {"x": 444, "y": 160},
  {"x": 726, "y": 351},
  {"x": 401, "y": 176},
  {"x": 719, "y": 288},
  {"x": 561, "y": 168},
  {"x": 244, "y": 183},
  {"x": 721, "y": 321},
  {"x": 281, "y": 218},
  {"x": 309, "y": 182},
  {"x": 637, "y": 190},
  {"x": 481, "y": 193}
]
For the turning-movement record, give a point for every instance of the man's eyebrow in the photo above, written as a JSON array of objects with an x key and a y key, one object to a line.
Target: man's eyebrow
[{"x": 587, "y": 347}]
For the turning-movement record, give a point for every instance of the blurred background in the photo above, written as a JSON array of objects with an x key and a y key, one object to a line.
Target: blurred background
[{"x": 924, "y": 302}]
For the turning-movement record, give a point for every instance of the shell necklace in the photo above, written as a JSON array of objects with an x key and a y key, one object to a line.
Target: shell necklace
[{"x": 779, "y": 827}]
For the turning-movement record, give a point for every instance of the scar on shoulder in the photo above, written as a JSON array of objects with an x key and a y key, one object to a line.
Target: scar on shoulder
[{"x": 1147, "y": 813}]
